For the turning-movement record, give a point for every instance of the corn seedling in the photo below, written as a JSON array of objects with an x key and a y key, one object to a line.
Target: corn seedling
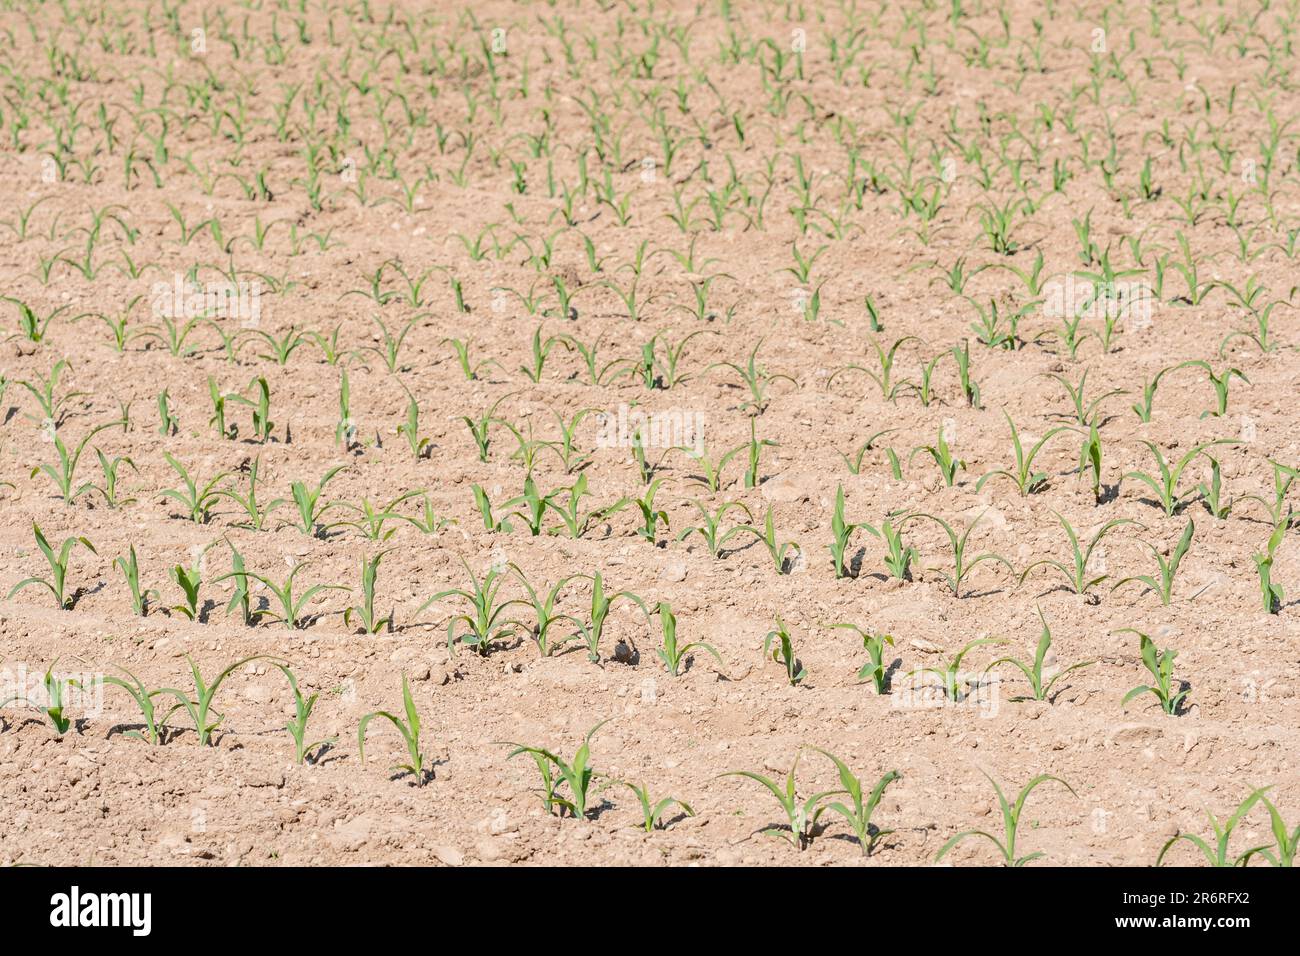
[
  {"x": 408, "y": 728},
  {"x": 876, "y": 668},
  {"x": 195, "y": 500},
  {"x": 1166, "y": 486},
  {"x": 577, "y": 774},
  {"x": 650, "y": 515},
  {"x": 545, "y": 615},
  {"x": 1284, "y": 853},
  {"x": 1272, "y": 592},
  {"x": 189, "y": 580},
  {"x": 841, "y": 533},
  {"x": 801, "y": 816},
  {"x": 779, "y": 645},
  {"x": 365, "y": 612},
  {"x": 961, "y": 567},
  {"x": 710, "y": 527},
  {"x": 942, "y": 455},
  {"x": 256, "y": 511},
  {"x": 1041, "y": 689},
  {"x": 484, "y": 625},
  {"x": 63, "y": 474},
  {"x": 652, "y": 812},
  {"x": 311, "y": 509},
  {"x": 1078, "y": 570},
  {"x": 1164, "y": 585},
  {"x": 291, "y": 608},
  {"x": 1161, "y": 665},
  {"x": 200, "y": 707},
  {"x": 593, "y": 628},
  {"x": 778, "y": 551},
  {"x": 302, "y": 708},
  {"x": 951, "y": 678},
  {"x": 130, "y": 568},
  {"x": 56, "y": 583},
  {"x": 153, "y": 731},
  {"x": 670, "y": 652},
  {"x": 856, "y": 811},
  {"x": 1023, "y": 475},
  {"x": 1011, "y": 813},
  {"x": 1219, "y": 855}
]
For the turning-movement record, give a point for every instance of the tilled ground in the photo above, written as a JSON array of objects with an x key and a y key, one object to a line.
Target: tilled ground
[{"x": 429, "y": 142}]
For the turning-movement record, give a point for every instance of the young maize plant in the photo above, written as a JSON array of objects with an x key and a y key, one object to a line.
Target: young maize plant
[
  {"x": 153, "y": 731},
  {"x": 167, "y": 423},
  {"x": 51, "y": 704},
  {"x": 593, "y": 628},
  {"x": 484, "y": 626},
  {"x": 576, "y": 521},
  {"x": 1288, "y": 842},
  {"x": 1212, "y": 494},
  {"x": 311, "y": 509},
  {"x": 874, "y": 644},
  {"x": 1026, "y": 480},
  {"x": 577, "y": 774},
  {"x": 756, "y": 379},
  {"x": 1279, "y": 509},
  {"x": 1011, "y": 813},
  {"x": 854, "y": 464},
  {"x": 710, "y": 527},
  {"x": 189, "y": 580},
  {"x": 56, "y": 583},
  {"x": 1161, "y": 665},
  {"x": 858, "y": 812},
  {"x": 410, "y": 731},
  {"x": 1090, "y": 452},
  {"x": 345, "y": 432},
  {"x": 1168, "y": 569},
  {"x": 841, "y": 532},
  {"x": 1220, "y": 383},
  {"x": 480, "y": 428},
  {"x": 256, "y": 511},
  {"x": 801, "y": 816},
  {"x": 484, "y": 505},
  {"x": 652, "y": 813},
  {"x": 544, "y": 613},
  {"x": 109, "y": 469},
  {"x": 261, "y": 408},
  {"x": 1040, "y": 687},
  {"x": 64, "y": 473},
  {"x": 371, "y": 519},
  {"x": 1166, "y": 486},
  {"x": 951, "y": 678},
  {"x": 779, "y": 646},
  {"x": 302, "y": 708},
  {"x": 200, "y": 707},
  {"x": 197, "y": 502},
  {"x": 669, "y": 651},
  {"x": 240, "y": 597},
  {"x": 1273, "y": 593},
  {"x": 1077, "y": 572},
  {"x": 291, "y": 608},
  {"x": 1085, "y": 413},
  {"x": 1219, "y": 855},
  {"x": 369, "y": 619},
  {"x": 650, "y": 515},
  {"x": 942, "y": 455},
  {"x": 961, "y": 567},
  {"x": 421, "y": 447},
  {"x": 779, "y": 552}
]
